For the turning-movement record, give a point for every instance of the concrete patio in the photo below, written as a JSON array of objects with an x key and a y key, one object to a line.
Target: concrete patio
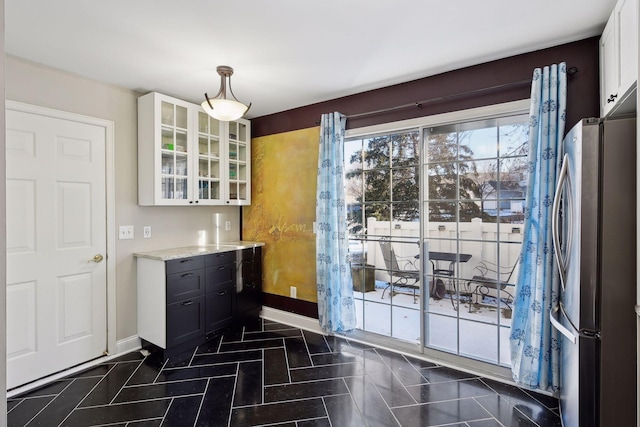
[{"x": 483, "y": 329}]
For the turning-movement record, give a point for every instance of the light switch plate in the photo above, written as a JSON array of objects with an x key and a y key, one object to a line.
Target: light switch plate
[{"x": 125, "y": 232}]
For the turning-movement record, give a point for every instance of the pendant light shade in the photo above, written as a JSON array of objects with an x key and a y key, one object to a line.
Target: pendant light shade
[{"x": 221, "y": 108}]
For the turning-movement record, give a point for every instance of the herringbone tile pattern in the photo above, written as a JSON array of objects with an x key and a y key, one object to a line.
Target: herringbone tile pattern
[{"x": 268, "y": 374}]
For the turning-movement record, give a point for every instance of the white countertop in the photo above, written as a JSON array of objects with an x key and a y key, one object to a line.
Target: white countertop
[{"x": 187, "y": 251}]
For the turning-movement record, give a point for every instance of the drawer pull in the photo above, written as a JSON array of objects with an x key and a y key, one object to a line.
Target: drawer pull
[
  {"x": 222, "y": 293},
  {"x": 186, "y": 260},
  {"x": 186, "y": 275},
  {"x": 187, "y": 302},
  {"x": 222, "y": 267}
]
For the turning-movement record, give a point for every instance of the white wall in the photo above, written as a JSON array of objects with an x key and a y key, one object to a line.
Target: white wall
[{"x": 171, "y": 226}]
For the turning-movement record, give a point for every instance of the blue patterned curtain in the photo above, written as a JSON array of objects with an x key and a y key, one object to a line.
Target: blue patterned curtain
[
  {"x": 336, "y": 310},
  {"x": 534, "y": 343}
]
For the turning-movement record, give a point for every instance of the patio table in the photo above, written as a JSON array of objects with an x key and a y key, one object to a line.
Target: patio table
[{"x": 449, "y": 272}]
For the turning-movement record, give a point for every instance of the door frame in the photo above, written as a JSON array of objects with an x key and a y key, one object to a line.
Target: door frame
[{"x": 110, "y": 258}]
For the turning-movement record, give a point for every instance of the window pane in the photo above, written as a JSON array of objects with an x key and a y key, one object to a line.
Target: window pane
[
  {"x": 378, "y": 211},
  {"x": 479, "y": 341},
  {"x": 441, "y": 211},
  {"x": 442, "y": 147},
  {"x": 405, "y": 184},
  {"x": 406, "y": 149},
  {"x": 376, "y": 152},
  {"x": 479, "y": 143},
  {"x": 352, "y": 155},
  {"x": 478, "y": 180},
  {"x": 377, "y": 185},
  {"x": 354, "y": 192},
  {"x": 355, "y": 219},
  {"x": 442, "y": 181},
  {"x": 514, "y": 139},
  {"x": 407, "y": 212}
]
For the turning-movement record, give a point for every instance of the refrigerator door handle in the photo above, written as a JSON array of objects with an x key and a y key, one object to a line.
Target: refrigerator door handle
[
  {"x": 555, "y": 229},
  {"x": 558, "y": 326}
]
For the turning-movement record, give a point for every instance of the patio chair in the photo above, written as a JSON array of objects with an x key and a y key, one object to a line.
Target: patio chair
[
  {"x": 490, "y": 278},
  {"x": 399, "y": 276}
]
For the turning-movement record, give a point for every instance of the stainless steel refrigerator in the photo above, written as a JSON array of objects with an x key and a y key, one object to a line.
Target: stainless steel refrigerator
[{"x": 595, "y": 240}]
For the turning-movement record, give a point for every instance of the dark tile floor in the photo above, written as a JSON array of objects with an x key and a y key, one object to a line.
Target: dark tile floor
[{"x": 270, "y": 374}]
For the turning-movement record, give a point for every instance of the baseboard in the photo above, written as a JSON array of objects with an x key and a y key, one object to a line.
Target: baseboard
[
  {"x": 292, "y": 305},
  {"x": 292, "y": 319},
  {"x": 123, "y": 347},
  {"x": 128, "y": 345}
]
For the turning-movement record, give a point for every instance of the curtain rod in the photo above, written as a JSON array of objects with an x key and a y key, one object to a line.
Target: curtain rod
[{"x": 570, "y": 71}]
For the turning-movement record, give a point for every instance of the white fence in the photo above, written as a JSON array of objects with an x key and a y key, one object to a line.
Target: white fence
[{"x": 483, "y": 241}]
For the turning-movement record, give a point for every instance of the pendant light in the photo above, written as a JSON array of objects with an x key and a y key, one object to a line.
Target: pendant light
[{"x": 221, "y": 108}]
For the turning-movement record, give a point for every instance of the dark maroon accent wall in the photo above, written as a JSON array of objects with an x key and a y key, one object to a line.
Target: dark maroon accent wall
[
  {"x": 582, "y": 91},
  {"x": 582, "y": 101}
]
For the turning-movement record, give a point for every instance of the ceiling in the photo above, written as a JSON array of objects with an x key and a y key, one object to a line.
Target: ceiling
[{"x": 286, "y": 53}]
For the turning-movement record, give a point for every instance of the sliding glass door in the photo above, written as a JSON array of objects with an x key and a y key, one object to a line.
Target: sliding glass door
[
  {"x": 383, "y": 205},
  {"x": 435, "y": 224},
  {"x": 473, "y": 196}
]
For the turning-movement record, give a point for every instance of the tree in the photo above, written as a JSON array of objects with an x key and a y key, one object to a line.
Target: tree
[
  {"x": 449, "y": 164},
  {"x": 503, "y": 176},
  {"x": 384, "y": 178}
]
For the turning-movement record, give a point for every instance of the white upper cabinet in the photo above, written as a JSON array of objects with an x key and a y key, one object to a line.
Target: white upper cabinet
[
  {"x": 619, "y": 60},
  {"x": 239, "y": 162},
  {"x": 187, "y": 158}
]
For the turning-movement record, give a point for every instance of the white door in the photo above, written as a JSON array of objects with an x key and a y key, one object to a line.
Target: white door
[{"x": 56, "y": 242}]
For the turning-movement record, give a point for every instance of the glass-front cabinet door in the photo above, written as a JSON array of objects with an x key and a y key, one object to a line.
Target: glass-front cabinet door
[
  {"x": 186, "y": 157},
  {"x": 239, "y": 162},
  {"x": 174, "y": 151},
  {"x": 208, "y": 164}
]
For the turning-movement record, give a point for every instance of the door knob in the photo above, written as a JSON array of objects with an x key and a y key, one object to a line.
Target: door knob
[{"x": 96, "y": 258}]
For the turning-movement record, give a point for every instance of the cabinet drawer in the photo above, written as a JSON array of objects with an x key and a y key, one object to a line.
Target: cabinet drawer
[
  {"x": 185, "y": 320},
  {"x": 185, "y": 285},
  {"x": 220, "y": 307},
  {"x": 220, "y": 275},
  {"x": 220, "y": 258},
  {"x": 184, "y": 264}
]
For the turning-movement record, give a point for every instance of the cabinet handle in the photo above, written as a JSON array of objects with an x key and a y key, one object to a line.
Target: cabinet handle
[
  {"x": 186, "y": 260},
  {"x": 186, "y": 275},
  {"x": 187, "y": 302},
  {"x": 221, "y": 268},
  {"x": 612, "y": 98},
  {"x": 222, "y": 293}
]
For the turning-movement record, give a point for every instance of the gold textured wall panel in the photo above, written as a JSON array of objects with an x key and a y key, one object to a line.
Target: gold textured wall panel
[{"x": 283, "y": 209}]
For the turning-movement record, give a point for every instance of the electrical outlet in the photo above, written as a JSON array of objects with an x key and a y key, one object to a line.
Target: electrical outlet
[
  {"x": 125, "y": 232},
  {"x": 227, "y": 225},
  {"x": 293, "y": 292},
  {"x": 146, "y": 231}
]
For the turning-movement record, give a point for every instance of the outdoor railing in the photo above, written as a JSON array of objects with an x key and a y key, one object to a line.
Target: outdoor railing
[{"x": 487, "y": 241}]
